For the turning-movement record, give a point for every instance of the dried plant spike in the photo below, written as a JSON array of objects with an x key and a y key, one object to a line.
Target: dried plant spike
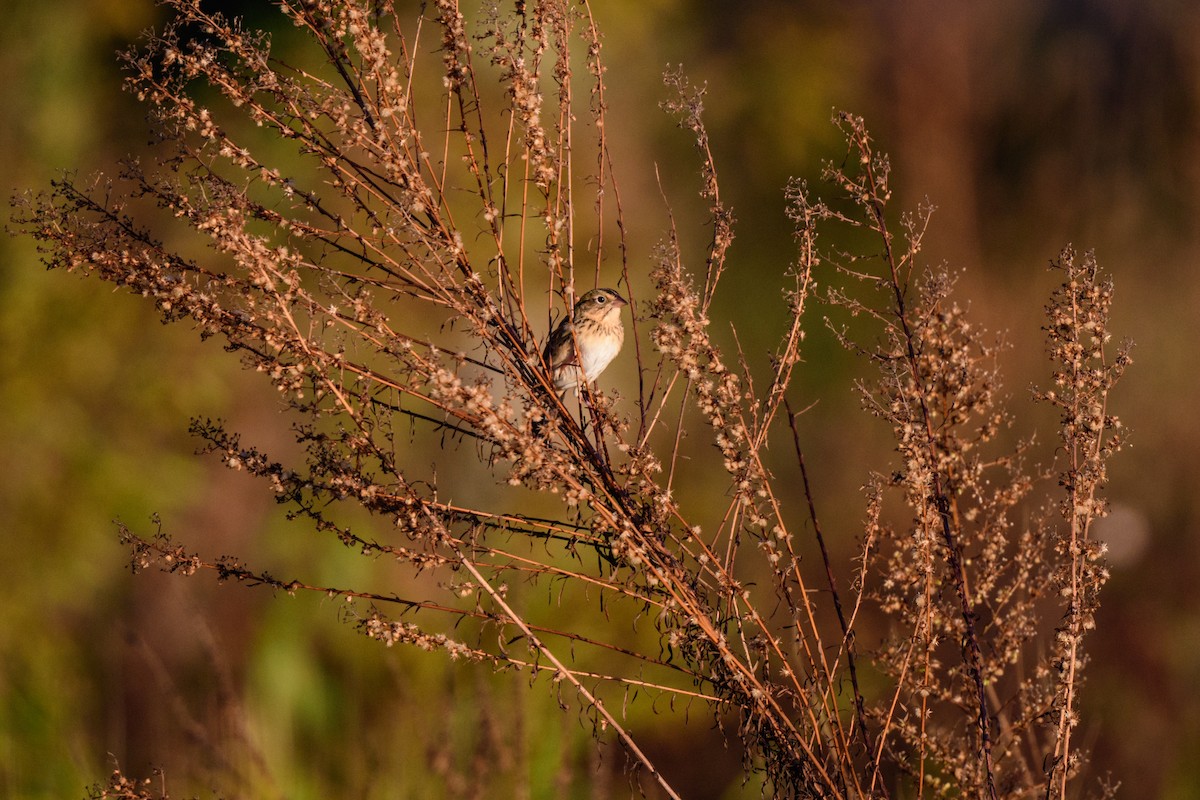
[{"x": 1085, "y": 372}]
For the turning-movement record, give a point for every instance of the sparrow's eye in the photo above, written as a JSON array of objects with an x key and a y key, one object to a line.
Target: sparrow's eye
[{"x": 601, "y": 299}]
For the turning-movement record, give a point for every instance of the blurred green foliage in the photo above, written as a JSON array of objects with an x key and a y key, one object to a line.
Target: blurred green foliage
[{"x": 1029, "y": 124}]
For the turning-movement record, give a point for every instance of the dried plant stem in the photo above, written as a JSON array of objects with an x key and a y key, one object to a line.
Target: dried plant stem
[
  {"x": 939, "y": 497},
  {"x": 588, "y": 696},
  {"x": 1077, "y": 334},
  {"x": 388, "y": 275},
  {"x": 847, "y": 632}
]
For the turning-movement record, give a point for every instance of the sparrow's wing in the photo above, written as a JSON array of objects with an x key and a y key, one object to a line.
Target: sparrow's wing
[{"x": 560, "y": 350}]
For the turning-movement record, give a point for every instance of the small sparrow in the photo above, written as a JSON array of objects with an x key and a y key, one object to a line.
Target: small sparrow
[{"x": 586, "y": 341}]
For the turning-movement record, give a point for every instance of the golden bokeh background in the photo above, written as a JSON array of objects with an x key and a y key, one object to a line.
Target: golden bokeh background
[{"x": 1029, "y": 124}]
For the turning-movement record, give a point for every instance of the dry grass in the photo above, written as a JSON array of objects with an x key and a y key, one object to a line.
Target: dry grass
[{"x": 391, "y": 273}]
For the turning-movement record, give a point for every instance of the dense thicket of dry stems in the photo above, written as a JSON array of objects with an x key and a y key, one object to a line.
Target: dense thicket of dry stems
[{"x": 390, "y": 274}]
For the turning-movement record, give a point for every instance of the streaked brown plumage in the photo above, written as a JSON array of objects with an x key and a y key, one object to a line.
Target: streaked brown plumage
[{"x": 587, "y": 341}]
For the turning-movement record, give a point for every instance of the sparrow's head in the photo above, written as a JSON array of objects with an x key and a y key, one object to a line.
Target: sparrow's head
[{"x": 599, "y": 305}]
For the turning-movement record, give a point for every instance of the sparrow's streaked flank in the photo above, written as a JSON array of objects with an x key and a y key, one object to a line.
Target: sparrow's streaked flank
[{"x": 586, "y": 342}]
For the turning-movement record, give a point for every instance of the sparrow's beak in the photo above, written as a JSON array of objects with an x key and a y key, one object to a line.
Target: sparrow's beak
[{"x": 620, "y": 301}]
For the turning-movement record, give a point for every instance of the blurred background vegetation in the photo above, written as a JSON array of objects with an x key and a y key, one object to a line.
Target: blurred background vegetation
[{"x": 1029, "y": 124}]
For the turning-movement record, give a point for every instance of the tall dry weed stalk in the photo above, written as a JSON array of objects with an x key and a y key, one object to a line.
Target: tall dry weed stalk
[{"x": 389, "y": 267}]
